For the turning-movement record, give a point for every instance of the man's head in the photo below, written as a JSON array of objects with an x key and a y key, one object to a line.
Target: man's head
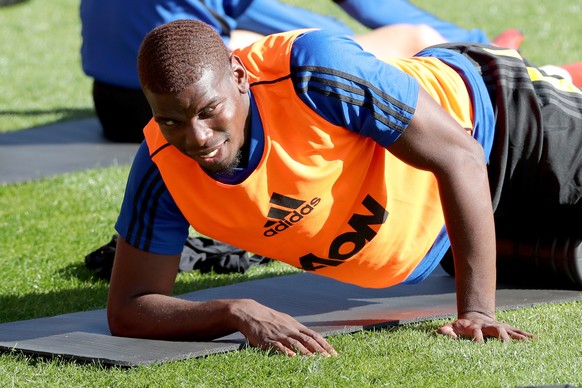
[{"x": 197, "y": 91}]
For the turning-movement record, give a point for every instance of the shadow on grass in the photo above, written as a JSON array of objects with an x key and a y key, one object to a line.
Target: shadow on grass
[
  {"x": 91, "y": 294},
  {"x": 80, "y": 126},
  {"x": 66, "y": 114},
  {"x": 5, "y": 3},
  {"x": 185, "y": 281},
  {"x": 81, "y": 272},
  {"x": 40, "y": 360},
  {"x": 193, "y": 281},
  {"x": 47, "y": 304}
]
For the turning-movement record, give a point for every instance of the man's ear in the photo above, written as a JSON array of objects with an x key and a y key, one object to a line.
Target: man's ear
[{"x": 240, "y": 73}]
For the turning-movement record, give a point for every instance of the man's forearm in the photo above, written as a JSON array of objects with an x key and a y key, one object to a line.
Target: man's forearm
[
  {"x": 470, "y": 225},
  {"x": 163, "y": 317}
]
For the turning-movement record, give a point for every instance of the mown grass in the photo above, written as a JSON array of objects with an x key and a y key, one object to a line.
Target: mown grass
[
  {"x": 40, "y": 67},
  {"x": 47, "y": 227}
]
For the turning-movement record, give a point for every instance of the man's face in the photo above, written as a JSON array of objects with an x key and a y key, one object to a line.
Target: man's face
[{"x": 207, "y": 121}]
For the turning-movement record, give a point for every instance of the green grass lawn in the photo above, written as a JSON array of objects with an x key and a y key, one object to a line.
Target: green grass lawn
[{"x": 47, "y": 227}]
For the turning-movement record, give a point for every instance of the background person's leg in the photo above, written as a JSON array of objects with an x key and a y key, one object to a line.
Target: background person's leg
[
  {"x": 272, "y": 16},
  {"x": 399, "y": 40},
  {"x": 242, "y": 38},
  {"x": 4, "y": 3},
  {"x": 378, "y": 13},
  {"x": 122, "y": 112}
]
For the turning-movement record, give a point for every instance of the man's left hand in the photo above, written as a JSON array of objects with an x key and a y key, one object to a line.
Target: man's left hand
[{"x": 477, "y": 326}]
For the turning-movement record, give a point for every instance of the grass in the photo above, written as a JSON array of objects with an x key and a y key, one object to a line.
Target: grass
[
  {"x": 47, "y": 226},
  {"x": 40, "y": 65},
  {"x": 410, "y": 356},
  {"x": 46, "y": 229}
]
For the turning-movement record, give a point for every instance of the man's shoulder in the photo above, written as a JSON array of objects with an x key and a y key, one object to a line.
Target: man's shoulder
[{"x": 268, "y": 59}]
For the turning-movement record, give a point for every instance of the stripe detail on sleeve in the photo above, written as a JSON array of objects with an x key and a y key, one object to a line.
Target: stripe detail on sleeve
[
  {"x": 149, "y": 191},
  {"x": 338, "y": 84}
]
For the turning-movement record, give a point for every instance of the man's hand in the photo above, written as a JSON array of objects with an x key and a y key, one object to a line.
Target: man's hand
[
  {"x": 477, "y": 327},
  {"x": 266, "y": 328}
]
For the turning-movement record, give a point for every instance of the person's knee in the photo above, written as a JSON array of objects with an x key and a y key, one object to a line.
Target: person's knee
[
  {"x": 427, "y": 36},
  {"x": 242, "y": 38}
]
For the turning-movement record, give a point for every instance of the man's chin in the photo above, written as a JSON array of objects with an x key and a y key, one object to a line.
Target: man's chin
[
  {"x": 220, "y": 170},
  {"x": 224, "y": 168}
]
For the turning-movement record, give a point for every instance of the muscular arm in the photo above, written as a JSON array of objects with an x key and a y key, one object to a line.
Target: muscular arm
[
  {"x": 140, "y": 305},
  {"x": 434, "y": 141}
]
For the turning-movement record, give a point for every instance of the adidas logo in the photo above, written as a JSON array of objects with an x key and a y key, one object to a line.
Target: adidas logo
[{"x": 285, "y": 212}]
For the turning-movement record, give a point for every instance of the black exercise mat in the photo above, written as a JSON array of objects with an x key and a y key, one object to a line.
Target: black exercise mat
[
  {"x": 57, "y": 148},
  {"x": 325, "y": 305}
]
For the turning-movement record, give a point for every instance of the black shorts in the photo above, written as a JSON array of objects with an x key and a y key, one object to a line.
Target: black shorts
[
  {"x": 122, "y": 112},
  {"x": 535, "y": 168}
]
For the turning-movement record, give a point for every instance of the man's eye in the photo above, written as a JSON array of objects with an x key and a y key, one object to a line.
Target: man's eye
[
  {"x": 207, "y": 111},
  {"x": 168, "y": 123}
]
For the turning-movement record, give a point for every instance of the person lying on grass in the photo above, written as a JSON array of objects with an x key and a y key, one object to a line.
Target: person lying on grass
[{"x": 306, "y": 149}]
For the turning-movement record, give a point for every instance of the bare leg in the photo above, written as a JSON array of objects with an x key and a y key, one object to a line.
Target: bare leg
[
  {"x": 399, "y": 40},
  {"x": 242, "y": 38}
]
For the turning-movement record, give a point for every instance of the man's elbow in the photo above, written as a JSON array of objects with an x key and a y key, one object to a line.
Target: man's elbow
[
  {"x": 477, "y": 155},
  {"x": 469, "y": 155},
  {"x": 121, "y": 322}
]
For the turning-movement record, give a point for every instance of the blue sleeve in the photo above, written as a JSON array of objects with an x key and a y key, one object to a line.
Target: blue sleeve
[
  {"x": 233, "y": 8},
  {"x": 149, "y": 218},
  {"x": 483, "y": 114},
  {"x": 272, "y": 16},
  {"x": 351, "y": 88},
  {"x": 378, "y": 13}
]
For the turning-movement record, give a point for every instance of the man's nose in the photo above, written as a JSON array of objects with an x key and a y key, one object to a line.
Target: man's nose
[{"x": 199, "y": 133}]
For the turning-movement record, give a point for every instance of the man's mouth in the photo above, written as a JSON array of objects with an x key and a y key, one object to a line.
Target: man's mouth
[{"x": 209, "y": 154}]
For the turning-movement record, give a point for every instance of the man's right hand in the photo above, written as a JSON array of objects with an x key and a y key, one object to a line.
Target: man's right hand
[{"x": 266, "y": 328}]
